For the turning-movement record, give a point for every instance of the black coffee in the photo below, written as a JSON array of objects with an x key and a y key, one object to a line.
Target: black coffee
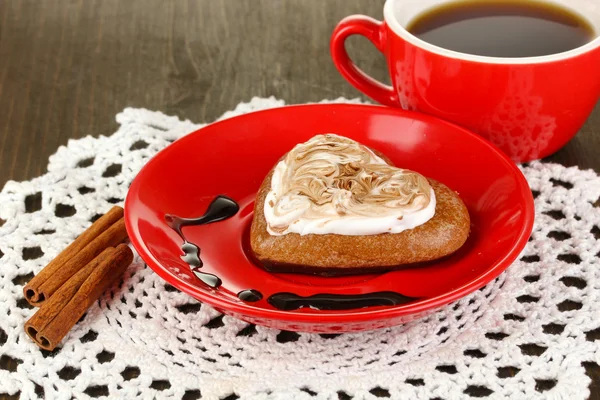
[{"x": 503, "y": 28}]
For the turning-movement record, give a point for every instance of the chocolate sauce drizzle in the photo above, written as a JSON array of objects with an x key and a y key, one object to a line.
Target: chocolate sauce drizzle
[
  {"x": 223, "y": 207},
  {"x": 220, "y": 208},
  {"x": 250, "y": 295},
  {"x": 291, "y": 301}
]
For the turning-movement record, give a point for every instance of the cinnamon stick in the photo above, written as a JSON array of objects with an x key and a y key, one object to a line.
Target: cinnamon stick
[
  {"x": 109, "y": 269},
  {"x": 108, "y": 231},
  {"x": 51, "y": 307}
]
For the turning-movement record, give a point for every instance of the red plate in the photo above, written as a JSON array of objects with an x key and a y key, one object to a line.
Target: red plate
[{"x": 233, "y": 156}]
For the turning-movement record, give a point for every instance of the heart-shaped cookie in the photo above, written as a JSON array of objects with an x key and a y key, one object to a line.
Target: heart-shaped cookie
[{"x": 334, "y": 205}]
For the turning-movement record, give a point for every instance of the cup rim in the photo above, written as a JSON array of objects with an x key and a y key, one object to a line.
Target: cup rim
[{"x": 392, "y": 22}]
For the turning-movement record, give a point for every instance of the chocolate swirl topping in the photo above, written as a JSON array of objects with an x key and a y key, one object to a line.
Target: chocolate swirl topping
[{"x": 335, "y": 178}]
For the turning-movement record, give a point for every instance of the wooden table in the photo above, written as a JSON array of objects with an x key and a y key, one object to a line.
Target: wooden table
[{"x": 67, "y": 67}]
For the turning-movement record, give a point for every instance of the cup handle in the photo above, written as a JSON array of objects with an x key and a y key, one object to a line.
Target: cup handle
[{"x": 374, "y": 31}]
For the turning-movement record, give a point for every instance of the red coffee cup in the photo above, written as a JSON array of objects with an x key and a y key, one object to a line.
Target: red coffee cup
[{"x": 529, "y": 107}]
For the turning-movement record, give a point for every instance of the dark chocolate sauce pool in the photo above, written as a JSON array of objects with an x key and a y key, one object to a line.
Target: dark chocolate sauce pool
[
  {"x": 220, "y": 208},
  {"x": 250, "y": 295},
  {"x": 291, "y": 301}
]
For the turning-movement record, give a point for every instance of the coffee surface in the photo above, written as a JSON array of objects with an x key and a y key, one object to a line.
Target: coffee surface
[{"x": 503, "y": 28}]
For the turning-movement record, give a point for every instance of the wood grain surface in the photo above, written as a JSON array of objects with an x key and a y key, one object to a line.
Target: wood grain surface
[{"x": 68, "y": 66}]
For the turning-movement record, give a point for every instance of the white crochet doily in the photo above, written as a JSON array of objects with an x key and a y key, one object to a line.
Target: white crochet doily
[{"x": 530, "y": 334}]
